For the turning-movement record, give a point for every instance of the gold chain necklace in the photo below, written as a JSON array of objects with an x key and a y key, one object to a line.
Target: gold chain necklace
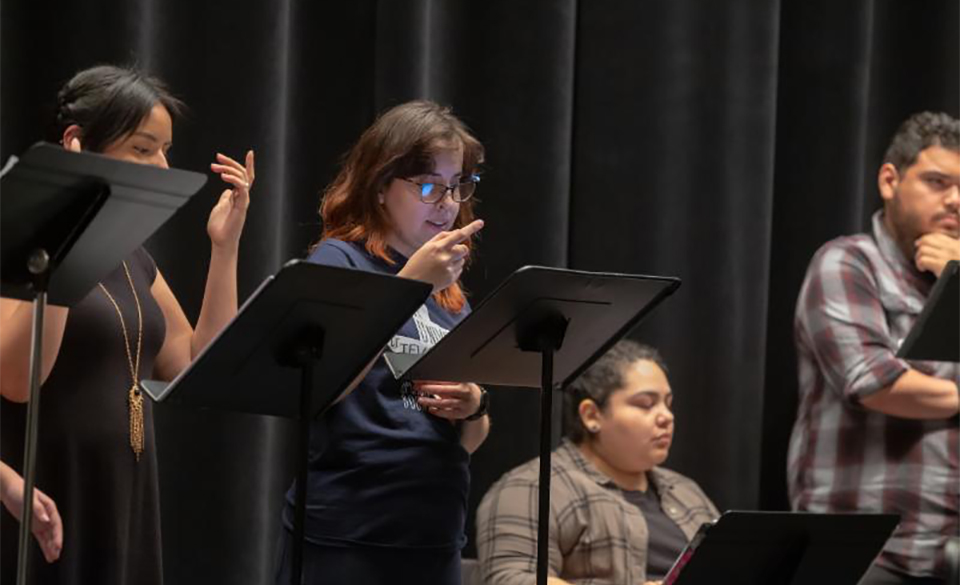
[{"x": 134, "y": 398}]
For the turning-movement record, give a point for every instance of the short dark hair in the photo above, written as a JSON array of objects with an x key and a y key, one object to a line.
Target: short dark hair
[
  {"x": 602, "y": 379},
  {"x": 109, "y": 102},
  {"x": 918, "y": 132}
]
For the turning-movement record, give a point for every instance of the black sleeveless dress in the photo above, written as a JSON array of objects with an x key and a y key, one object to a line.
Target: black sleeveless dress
[{"x": 109, "y": 502}]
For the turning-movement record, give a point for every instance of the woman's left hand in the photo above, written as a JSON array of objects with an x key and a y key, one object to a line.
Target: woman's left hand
[
  {"x": 449, "y": 400},
  {"x": 228, "y": 215}
]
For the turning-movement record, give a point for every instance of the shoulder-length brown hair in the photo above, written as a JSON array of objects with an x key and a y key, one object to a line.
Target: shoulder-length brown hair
[{"x": 399, "y": 144}]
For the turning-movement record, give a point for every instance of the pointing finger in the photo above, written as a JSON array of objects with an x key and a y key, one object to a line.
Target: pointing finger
[
  {"x": 464, "y": 233},
  {"x": 250, "y": 165}
]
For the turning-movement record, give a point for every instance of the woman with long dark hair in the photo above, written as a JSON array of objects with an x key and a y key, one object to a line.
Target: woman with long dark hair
[
  {"x": 96, "y": 452},
  {"x": 389, "y": 476}
]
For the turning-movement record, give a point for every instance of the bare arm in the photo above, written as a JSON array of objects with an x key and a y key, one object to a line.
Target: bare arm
[
  {"x": 225, "y": 225},
  {"x": 16, "y": 325},
  {"x": 916, "y": 395},
  {"x": 47, "y": 526},
  {"x": 175, "y": 354},
  {"x": 182, "y": 342},
  {"x": 219, "y": 298}
]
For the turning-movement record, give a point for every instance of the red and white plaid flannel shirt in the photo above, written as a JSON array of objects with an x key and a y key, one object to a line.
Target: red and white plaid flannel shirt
[{"x": 857, "y": 304}]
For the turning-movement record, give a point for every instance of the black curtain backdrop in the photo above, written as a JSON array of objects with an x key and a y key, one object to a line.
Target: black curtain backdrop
[{"x": 721, "y": 142}]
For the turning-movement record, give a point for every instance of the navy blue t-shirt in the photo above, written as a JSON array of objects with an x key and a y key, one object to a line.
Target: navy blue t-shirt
[{"x": 382, "y": 471}]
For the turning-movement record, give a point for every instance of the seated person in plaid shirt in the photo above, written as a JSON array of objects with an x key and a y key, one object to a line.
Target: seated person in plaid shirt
[
  {"x": 875, "y": 433},
  {"x": 617, "y": 518}
]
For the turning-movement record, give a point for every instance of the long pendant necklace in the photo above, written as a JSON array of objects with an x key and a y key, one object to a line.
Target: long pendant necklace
[{"x": 134, "y": 397}]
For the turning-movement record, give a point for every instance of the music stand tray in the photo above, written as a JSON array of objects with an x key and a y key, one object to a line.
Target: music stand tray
[
  {"x": 349, "y": 315},
  {"x": 540, "y": 325},
  {"x": 292, "y": 350},
  {"x": 936, "y": 334},
  {"x": 488, "y": 346},
  {"x": 783, "y": 548},
  {"x": 87, "y": 211}
]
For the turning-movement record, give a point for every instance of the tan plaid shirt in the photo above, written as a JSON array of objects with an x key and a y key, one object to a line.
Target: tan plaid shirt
[{"x": 596, "y": 536}]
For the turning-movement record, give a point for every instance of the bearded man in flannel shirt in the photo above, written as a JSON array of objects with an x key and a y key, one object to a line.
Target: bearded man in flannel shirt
[{"x": 875, "y": 433}]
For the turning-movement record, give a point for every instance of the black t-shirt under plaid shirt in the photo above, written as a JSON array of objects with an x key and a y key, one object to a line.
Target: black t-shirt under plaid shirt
[
  {"x": 597, "y": 537},
  {"x": 857, "y": 304}
]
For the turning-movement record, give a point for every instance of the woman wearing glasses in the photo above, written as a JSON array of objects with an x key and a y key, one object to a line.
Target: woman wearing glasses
[{"x": 389, "y": 477}]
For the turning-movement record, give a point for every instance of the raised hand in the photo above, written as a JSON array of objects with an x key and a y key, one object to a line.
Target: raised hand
[
  {"x": 934, "y": 250},
  {"x": 440, "y": 261},
  {"x": 228, "y": 215}
]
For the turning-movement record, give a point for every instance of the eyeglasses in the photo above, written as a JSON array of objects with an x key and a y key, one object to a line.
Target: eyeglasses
[{"x": 435, "y": 192}]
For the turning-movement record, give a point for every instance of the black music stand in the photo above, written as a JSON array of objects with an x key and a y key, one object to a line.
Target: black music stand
[
  {"x": 67, "y": 220},
  {"x": 783, "y": 548},
  {"x": 515, "y": 337},
  {"x": 936, "y": 334},
  {"x": 293, "y": 349}
]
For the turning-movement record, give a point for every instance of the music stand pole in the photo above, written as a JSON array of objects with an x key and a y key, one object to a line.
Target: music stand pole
[
  {"x": 544, "y": 337},
  {"x": 308, "y": 355},
  {"x": 39, "y": 267}
]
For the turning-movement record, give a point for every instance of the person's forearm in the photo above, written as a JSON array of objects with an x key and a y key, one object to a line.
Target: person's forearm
[
  {"x": 473, "y": 433},
  {"x": 11, "y": 489},
  {"x": 16, "y": 332},
  {"x": 10, "y": 482},
  {"x": 219, "y": 298},
  {"x": 8, "y": 478},
  {"x": 917, "y": 396}
]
